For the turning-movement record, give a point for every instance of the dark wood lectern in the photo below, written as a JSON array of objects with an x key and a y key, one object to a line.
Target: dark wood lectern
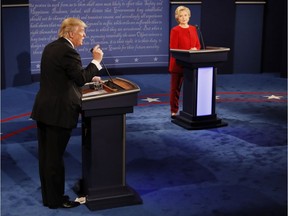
[
  {"x": 199, "y": 87},
  {"x": 103, "y": 144}
]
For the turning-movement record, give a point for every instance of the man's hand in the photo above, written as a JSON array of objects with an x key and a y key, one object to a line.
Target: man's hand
[
  {"x": 96, "y": 79},
  {"x": 97, "y": 53}
]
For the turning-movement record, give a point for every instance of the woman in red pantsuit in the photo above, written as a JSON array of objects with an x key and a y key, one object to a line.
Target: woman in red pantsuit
[{"x": 182, "y": 36}]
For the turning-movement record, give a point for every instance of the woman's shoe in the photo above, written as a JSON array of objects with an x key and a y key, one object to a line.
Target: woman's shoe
[{"x": 173, "y": 115}]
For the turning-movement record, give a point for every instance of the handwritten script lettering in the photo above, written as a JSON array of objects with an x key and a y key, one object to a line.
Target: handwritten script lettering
[{"x": 126, "y": 30}]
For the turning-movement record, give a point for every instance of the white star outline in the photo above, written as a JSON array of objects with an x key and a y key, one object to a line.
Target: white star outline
[
  {"x": 148, "y": 99},
  {"x": 269, "y": 97},
  {"x": 273, "y": 97},
  {"x": 155, "y": 59}
]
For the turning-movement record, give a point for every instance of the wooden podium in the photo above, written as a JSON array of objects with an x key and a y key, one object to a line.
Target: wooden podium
[
  {"x": 103, "y": 144},
  {"x": 199, "y": 87}
]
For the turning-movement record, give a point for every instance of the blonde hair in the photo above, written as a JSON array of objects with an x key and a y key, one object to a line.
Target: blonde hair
[
  {"x": 180, "y": 9},
  {"x": 69, "y": 25}
]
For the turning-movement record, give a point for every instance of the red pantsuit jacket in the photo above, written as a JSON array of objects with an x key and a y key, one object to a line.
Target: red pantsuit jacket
[{"x": 182, "y": 38}]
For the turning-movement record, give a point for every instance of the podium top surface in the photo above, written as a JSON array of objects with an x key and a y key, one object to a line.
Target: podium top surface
[
  {"x": 209, "y": 57},
  {"x": 209, "y": 49},
  {"x": 110, "y": 88}
]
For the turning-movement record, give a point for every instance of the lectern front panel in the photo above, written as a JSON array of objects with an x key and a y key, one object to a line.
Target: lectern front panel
[{"x": 204, "y": 91}]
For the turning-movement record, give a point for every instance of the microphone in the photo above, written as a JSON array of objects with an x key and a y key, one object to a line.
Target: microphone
[
  {"x": 201, "y": 37},
  {"x": 91, "y": 50}
]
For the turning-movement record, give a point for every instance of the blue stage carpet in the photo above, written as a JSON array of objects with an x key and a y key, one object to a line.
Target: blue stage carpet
[{"x": 237, "y": 170}]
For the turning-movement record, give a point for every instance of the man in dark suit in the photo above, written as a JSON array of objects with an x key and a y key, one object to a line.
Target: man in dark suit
[{"x": 58, "y": 104}]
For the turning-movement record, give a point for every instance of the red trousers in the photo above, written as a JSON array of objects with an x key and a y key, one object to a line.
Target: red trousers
[{"x": 175, "y": 89}]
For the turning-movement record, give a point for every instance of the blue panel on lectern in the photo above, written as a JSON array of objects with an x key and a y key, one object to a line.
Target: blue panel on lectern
[
  {"x": 204, "y": 91},
  {"x": 131, "y": 33}
]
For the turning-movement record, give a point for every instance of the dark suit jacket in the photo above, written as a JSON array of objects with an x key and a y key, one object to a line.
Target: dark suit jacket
[{"x": 58, "y": 101}]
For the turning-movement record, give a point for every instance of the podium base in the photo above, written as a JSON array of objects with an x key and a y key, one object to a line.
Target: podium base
[
  {"x": 105, "y": 198},
  {"x": 112, "y": 198},
  {"x": 197, "y": 123}
]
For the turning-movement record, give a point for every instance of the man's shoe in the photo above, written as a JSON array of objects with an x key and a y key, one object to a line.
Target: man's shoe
[
  {"x": 65, "y": 198},
  {"x": 65, "y": 204},
  {"x": 69, "y": 204}
]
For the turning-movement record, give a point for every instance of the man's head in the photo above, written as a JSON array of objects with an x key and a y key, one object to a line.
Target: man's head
[{"x": 74, "y": 30}]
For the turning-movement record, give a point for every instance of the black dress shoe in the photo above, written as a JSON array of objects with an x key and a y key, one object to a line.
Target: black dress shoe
[
  {"x": 69, "y": 204},
  {"x": 65, "y": 204},
  {"x": 65, "y": 198}
]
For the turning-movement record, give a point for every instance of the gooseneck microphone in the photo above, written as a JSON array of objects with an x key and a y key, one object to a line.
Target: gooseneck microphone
[
  {"x": 201, "y": 37},
  {"x": 91, "y": 50}
]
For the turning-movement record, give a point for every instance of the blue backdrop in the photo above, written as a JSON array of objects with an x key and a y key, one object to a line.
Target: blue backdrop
[
  {"x": 260, "y": 41},
  {"x": 130, "y": 32}
]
